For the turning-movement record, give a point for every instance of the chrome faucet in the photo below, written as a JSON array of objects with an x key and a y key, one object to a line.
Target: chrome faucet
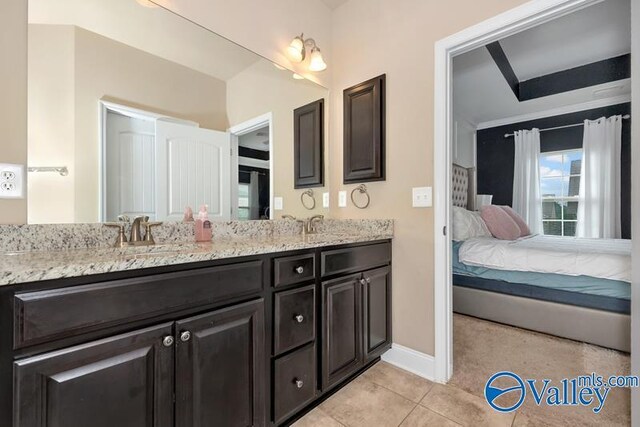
[{"x": 136, "y": 235}]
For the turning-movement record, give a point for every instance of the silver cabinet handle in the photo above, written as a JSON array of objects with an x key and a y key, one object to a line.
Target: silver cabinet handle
[
  {"x": 300, "y": 269},
  {"x": 368, "y": 279},
  {"x": 185, "y": 336},
  {"x": 362, "y": 281},
  {"x": 299, "y": 383},
  {"x": 167, "y": 341},
  {"x": 299, "y": 318}
]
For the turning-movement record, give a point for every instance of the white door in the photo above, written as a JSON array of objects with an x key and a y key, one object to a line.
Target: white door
[
  {"x": 130, "y": 167},
  {"x": 193, "y": 167}
]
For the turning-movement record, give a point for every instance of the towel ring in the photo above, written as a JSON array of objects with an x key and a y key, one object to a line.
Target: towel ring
[
  {"x": 362, "y": 189},
  {"x": 312, "y": 204}
]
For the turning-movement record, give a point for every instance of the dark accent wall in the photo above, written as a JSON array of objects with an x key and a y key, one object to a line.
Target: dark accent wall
[{"x": 495, "y": 153}]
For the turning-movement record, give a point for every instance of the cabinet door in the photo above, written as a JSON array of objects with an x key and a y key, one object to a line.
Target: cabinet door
[
  {"x": 364, "y": 131},
  {"x": 376, "y": 307},
  {"x": 124, "y": 381},
  {"x": 341, "y": 329},
  {"x": 220, "y": 368},
  {"x": 308, "y": 142}
]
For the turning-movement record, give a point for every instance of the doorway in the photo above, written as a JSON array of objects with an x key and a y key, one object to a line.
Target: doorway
[
  {"x": 517, "y": 20},
  {"x": 252, "y": 168}
]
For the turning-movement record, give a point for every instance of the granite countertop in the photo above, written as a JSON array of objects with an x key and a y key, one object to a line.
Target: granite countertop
[{"x": 33, "y": 266}]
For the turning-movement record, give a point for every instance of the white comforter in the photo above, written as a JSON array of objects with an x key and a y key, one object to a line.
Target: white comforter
[{"x": 602, "y": 258}]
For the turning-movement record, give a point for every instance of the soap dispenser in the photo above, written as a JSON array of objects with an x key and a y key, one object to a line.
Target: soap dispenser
[{"x": 203, "y": 225}]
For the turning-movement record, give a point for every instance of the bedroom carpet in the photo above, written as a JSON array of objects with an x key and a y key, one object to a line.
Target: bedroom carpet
[{"x": 482, "y": 348}]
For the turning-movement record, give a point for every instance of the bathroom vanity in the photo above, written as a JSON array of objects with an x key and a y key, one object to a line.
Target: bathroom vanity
[{"x": 237, "y": 341}]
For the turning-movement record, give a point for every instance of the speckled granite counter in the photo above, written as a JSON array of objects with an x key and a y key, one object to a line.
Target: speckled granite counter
[{"x": 31, "y": 266}]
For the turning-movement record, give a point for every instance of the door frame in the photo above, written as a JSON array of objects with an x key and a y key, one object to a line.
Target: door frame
[
  {"x": 105, "y": 107},
  {"x": 513, "y": 21},
  {"x": 243, "y": 129}
]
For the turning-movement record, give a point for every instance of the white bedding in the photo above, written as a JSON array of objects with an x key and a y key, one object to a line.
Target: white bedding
[{"x": 602, "y": 258}]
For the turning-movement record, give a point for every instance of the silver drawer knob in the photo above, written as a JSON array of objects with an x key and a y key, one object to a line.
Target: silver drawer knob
[
  {"x": 299, "y": 383},
  {"x": 167, "y": 341},
  {"x": 300, "y": 269},
  {"x": 299, "y": 318},
  {"x": 185, "y": 336},
  {"x": 362, "y": 281},
  {"x": 368, "y": 279}
]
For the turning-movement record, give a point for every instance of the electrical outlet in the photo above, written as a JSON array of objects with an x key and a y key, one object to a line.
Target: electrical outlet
[
  {"x": 342, "y": 199},
  {"x": 325, "y": 200},
  {"x": 422, "y": 197},
  {"x": 11, "y": 181},
  {"x": 278, "y": 203}
]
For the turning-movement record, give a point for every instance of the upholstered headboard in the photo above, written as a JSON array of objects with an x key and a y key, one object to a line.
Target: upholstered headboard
[{"x": 463, "y": 187}]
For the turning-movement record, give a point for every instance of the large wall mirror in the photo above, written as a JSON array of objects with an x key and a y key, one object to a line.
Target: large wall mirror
[{"x": 134, "y": 110}]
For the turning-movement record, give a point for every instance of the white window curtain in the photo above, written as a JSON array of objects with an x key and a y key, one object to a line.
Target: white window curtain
[
  {"x": 526, "y": 178},
  {"x": 599, "y": 205}
]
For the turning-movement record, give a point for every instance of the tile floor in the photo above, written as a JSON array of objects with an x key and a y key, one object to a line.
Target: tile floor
[{"x": 387, "y": 396}]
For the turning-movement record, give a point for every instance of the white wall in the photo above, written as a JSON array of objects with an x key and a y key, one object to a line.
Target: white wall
[
  {"x": 264, "y": 26},
  {"x": 464, "y": 143}
]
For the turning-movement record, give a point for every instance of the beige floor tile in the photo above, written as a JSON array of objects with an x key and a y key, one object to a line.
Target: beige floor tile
[
  {"x": 423, "y": 417},
  {"x": 363, "y": 403},
  {"x": 464, "y": 408},
  {"x": 397, "y": 380},
  {"x": 523, "y": 420},
  {"x": 317, "y": 418}
]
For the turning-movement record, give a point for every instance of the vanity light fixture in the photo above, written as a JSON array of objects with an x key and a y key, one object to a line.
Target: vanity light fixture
[{"x": 297, "y": 52}]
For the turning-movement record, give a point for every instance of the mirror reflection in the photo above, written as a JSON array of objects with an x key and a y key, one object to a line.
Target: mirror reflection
[{"x": 147, "y": 113}]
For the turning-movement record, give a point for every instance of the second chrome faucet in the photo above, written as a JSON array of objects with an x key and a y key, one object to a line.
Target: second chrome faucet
[{"x": 308, "y": 224}]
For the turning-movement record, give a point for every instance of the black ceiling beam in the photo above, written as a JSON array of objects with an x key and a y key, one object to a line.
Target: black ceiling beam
[
  {"x": 608, "y": 70},
  {"x": 501, "y": 60}
]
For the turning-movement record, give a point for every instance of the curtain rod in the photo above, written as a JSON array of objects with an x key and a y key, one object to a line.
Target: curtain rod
[{"x": 507, "y": 135}]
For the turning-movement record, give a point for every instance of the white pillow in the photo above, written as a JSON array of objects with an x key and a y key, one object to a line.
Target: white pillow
[{"x": 468, "y": 224}]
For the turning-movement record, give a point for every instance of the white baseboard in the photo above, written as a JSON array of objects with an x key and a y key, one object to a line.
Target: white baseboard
[{"x": 411, "y": 360}]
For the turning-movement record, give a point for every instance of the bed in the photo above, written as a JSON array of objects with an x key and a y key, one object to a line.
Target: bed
[{"x": 570, "y": 288}]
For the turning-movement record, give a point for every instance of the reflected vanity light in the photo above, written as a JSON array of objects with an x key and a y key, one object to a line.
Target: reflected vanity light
[
  {"x": 146, "y": 3},
  {"x": 297, "y": 52}
]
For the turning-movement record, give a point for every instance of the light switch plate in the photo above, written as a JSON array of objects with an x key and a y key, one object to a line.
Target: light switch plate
[
  {"x": 325, "y": 200},
  {"x": 11, "y": 181},
  {"x": 342, "y": 199},
  {"x": 422, "y": 197},
  {"x": 278, "y": 203}
]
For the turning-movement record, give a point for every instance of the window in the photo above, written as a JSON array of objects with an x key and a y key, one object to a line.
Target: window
[
  {"x": 560, "y": 187},
  {"x": 244, "y": 212}
]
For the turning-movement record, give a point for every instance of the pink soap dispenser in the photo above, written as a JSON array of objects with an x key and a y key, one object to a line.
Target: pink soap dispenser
[{"x": 203, "y": 225}]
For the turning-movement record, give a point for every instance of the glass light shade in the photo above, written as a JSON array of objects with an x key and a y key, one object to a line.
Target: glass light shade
[
  {"x": 296, "y": 50},
  {"x": 146, "y": 3},
  {"x": 317, "y": 62}
]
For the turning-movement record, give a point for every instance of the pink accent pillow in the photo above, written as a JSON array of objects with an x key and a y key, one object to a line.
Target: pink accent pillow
[
  {"x": 524, "y": 228},
  {"x": 500, "y": 223}
]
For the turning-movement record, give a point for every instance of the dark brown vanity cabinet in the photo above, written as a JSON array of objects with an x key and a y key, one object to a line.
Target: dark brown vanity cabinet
[
  {"x": 356, "y": 309},
  {"x": 220, "y": 368},
  {"x": 124, "y": 381},
  {"x": 239, "y": 342},
  {"x": 364, "y": 131}
]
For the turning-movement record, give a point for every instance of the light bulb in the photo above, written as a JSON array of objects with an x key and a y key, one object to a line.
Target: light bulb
[
  {"x": 296, "y": 49},
  {"x": 317, "y": 62}
]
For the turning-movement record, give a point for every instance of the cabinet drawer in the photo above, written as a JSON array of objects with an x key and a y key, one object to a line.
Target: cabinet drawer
[
  {"x": 295, "y": 320},
  {"x": 52, "y": 314},
  {"x": 294, "y": 269},
  {"x": 294, "y": 382},
  {"x": 355, "y": 259}
]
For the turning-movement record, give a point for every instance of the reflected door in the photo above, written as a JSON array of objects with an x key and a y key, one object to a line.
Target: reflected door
[{"x": 193, "y": 167}]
